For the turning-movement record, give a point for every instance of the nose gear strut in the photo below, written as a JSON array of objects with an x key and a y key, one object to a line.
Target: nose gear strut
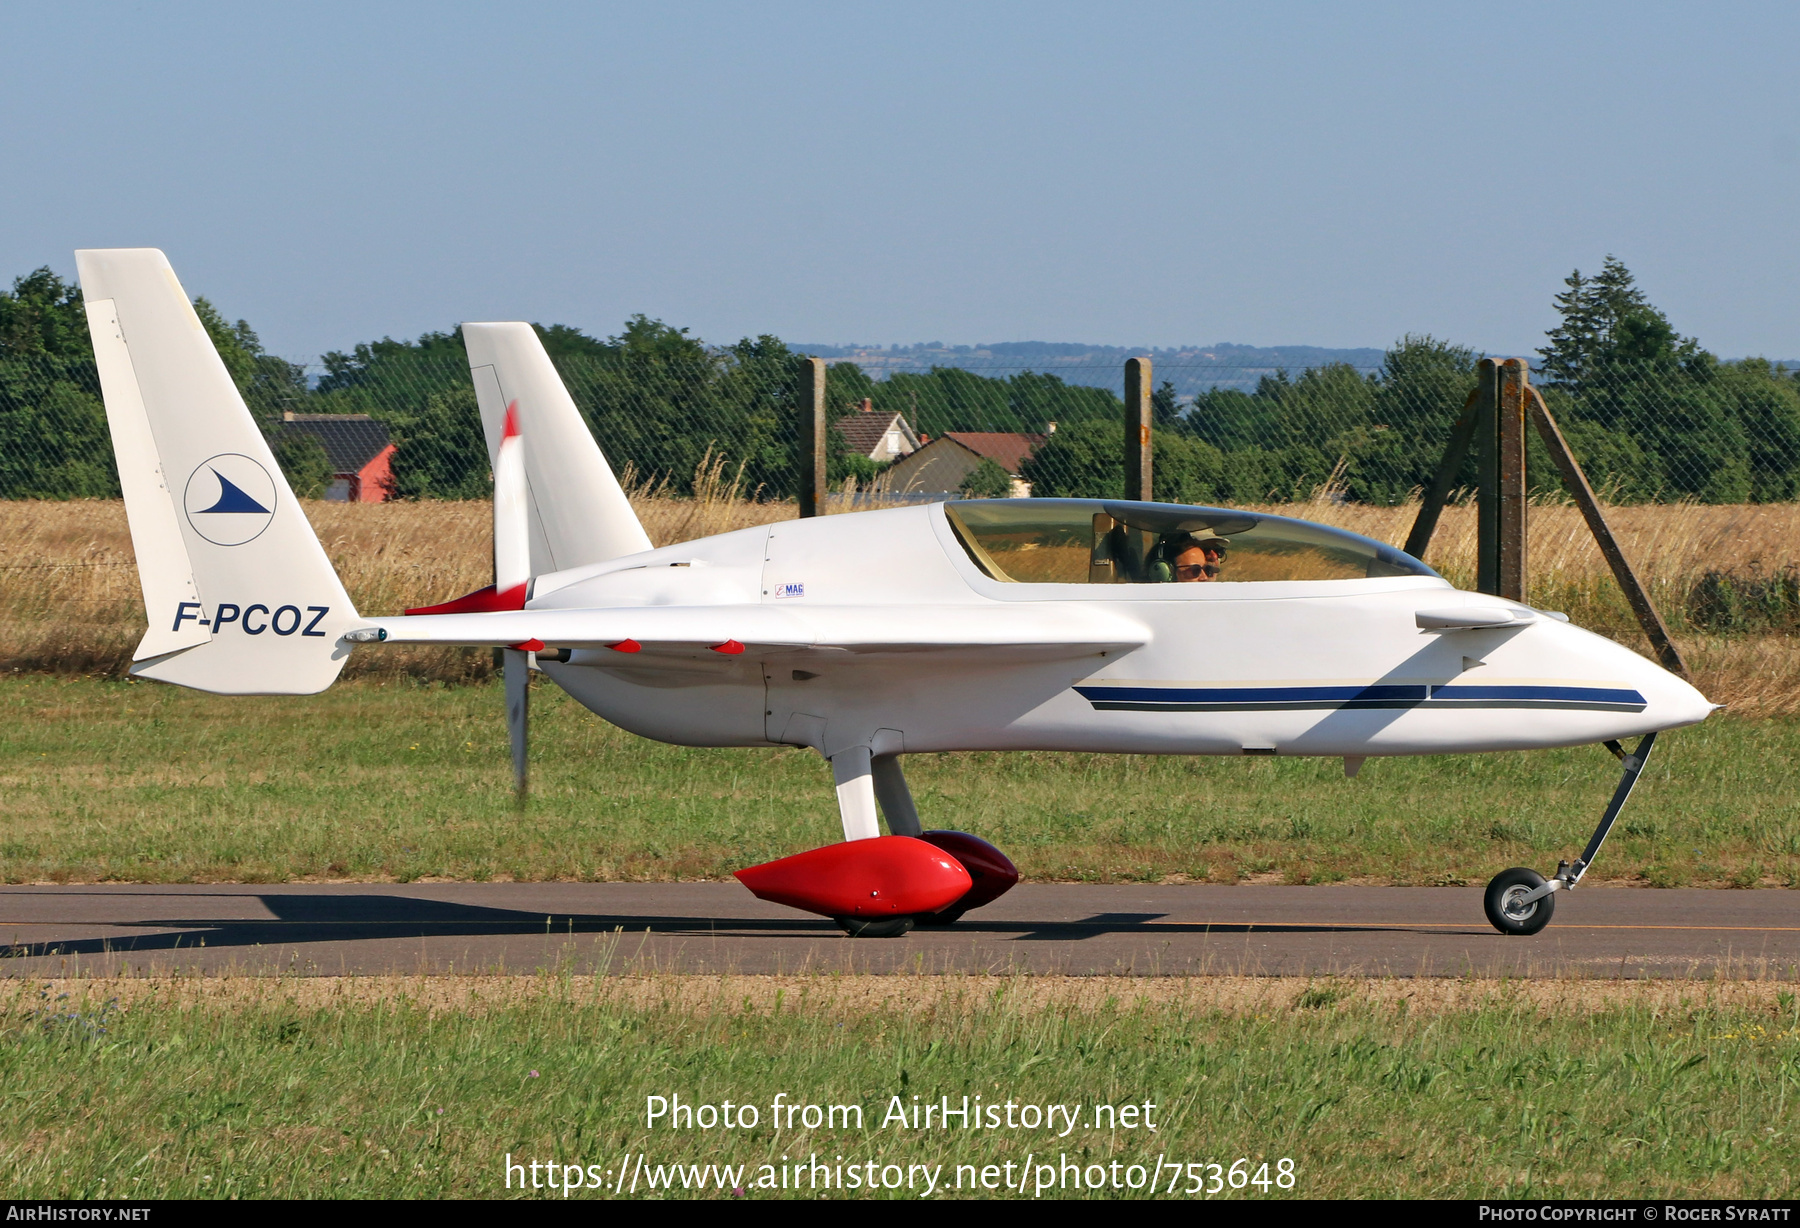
[{"x": 1520, "y": 900}]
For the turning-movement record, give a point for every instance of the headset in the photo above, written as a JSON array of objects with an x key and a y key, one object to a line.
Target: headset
[
  {"x": 1158, "y": 566},
  {"x": 1159, "y": 563}
]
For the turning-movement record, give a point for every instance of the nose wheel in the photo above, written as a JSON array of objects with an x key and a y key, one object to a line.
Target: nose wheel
[
  {"x": 1521, "y": 901},
  {"x": 1513, "y": 907}
]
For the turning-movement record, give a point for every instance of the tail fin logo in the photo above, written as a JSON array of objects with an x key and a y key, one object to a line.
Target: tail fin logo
[{"x": 230, "y": 499}]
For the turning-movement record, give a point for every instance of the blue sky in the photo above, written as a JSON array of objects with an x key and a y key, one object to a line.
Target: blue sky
[{"x": 1124, "y": 174}]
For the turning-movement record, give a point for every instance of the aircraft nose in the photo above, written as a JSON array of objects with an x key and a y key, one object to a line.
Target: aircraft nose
[{"x": 1671, "y": 701}]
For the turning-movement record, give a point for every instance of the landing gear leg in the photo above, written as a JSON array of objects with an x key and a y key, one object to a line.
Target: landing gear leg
[
  {"x": 857, "y": 779},
  {"x": 895, "y": 798},
  {"x": 1521, "y": 901},
  {"x": 855, "y": 793}
]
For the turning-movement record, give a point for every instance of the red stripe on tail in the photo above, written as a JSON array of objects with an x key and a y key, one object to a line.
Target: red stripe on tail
[{"x": 481, "y": 601}]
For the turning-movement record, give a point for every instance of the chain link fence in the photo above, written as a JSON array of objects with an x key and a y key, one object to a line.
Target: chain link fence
[
  {"x": 1705, "y": 460},
  {"x": 1728, "y": 434}
]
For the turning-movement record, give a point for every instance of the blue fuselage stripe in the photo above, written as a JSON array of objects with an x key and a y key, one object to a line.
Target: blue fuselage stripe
[{"x": 1380, "y": 695}]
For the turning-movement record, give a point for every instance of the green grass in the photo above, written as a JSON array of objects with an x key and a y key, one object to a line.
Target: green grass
[
  {"x": 145, "y": 783},
  {"x": 263, "y": 1096}
]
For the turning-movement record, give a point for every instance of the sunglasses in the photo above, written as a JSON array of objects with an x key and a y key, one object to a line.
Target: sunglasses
[{"x": 1193, "y": 571}]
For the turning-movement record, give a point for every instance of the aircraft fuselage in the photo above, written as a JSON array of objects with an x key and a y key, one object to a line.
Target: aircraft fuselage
[{"x": 1289, "y": 667}]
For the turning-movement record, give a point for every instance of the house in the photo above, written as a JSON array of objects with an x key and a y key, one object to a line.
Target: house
[
  {"x": 359, "y": 451},
  {"x": 941, "y": 465},
  {"x": 884, "y": 436}
]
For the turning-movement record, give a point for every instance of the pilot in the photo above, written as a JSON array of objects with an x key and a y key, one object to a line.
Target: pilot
[{"x": 1195, "y": 557}]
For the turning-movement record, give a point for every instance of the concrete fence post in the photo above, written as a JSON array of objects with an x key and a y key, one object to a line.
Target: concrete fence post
[
  {"x": 814, "y": 463},
  {"x": 1137, "y": 429}
]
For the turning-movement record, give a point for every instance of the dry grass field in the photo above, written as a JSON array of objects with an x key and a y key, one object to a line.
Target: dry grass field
[{"x": 70, "y": 603}]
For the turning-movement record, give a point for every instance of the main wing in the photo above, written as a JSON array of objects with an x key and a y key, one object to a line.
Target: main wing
[{"x": 1040, "y": 631}]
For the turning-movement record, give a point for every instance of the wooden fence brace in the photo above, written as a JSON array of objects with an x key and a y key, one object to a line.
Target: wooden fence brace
[
  {"x": 814, "y": 463},
  {"x": 1444, "y": 481},
  {"x": 1576, "y": 481},
  {"x": 1137, "y": 430}
]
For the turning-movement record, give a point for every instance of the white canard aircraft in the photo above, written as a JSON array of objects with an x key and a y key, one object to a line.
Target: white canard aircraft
[{"x": 1015, "y": 624}]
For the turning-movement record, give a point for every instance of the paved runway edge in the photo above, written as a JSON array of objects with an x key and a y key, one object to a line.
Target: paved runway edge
[{"x": 1067, "y": 929}]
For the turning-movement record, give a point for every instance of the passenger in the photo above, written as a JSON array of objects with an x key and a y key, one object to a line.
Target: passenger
[{"x": 1195, "y": 557}]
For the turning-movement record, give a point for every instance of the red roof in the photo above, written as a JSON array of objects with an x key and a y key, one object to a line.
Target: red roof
[
  {"x": 350, "y": 441},
  {"x": 864, "y": 430},
  {"x": 1005, "y": 448}
]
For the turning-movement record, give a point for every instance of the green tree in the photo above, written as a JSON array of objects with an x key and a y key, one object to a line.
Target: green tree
[
  {"x": 303, "y": 462},
  {"x": 1185, "y": 470},
  {"x": 270, "y": 386},
  {"x": 1082, "y": 461},
  {"x": 53, "y": 436},
  {"x": 1165, "y": 407},
  {"x": 658, "y": 400},
  {"x": 1086, "y": 461},
  {"x": 440, "y": 451},
  {"x": 1035, "y": 399},
  {"x": 662, "y": 402},
  {"x": 43, "y": 318},
  {"x": 1652, "y": 414},
  {"x": 1767, "y": 403},
  {"x": 987, "y": 481},
  {"x": 758, "y": 414},
  {"x": 945, "y": 399},
  {"x": 1592, "y": 311},
  {"x": 1419, "y": 393},
  {"x": 954, "y": 399}
]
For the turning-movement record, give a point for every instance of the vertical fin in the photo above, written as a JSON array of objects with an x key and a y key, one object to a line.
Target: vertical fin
[
  {"x": 164, "y": 571},
  {"x": 576, "y": 510},
  {"x": 223, "y": 546}
]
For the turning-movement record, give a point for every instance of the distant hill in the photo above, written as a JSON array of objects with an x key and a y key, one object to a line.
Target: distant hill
[{"x": 1191, "y": 369}]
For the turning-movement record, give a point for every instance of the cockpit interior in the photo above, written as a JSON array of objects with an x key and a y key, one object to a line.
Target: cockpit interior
[{"x": 1095, "y": 541}]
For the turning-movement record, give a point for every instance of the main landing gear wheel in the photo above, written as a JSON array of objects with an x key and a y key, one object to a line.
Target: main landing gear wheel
[
  {"x": 1507, "y": 907},
  {"x": 875, "y": 927}
]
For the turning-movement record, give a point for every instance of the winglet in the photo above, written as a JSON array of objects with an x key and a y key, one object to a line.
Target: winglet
[{"x": 576, "y": 511}]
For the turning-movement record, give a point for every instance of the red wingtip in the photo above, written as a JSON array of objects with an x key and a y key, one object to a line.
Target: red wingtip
[
  {"x": 626, "y": 646},
  {"x": 730, "y": 648},
  {"x": 511, "y": 429},
  {"x": 531, "y": 645}
]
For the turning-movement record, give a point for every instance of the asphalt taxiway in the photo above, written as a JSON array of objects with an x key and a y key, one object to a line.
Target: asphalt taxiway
[{"x": 1079, "y": 929}]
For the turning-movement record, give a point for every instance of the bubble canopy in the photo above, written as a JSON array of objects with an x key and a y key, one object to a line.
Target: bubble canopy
[{"x": 1099, "y": 541}]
